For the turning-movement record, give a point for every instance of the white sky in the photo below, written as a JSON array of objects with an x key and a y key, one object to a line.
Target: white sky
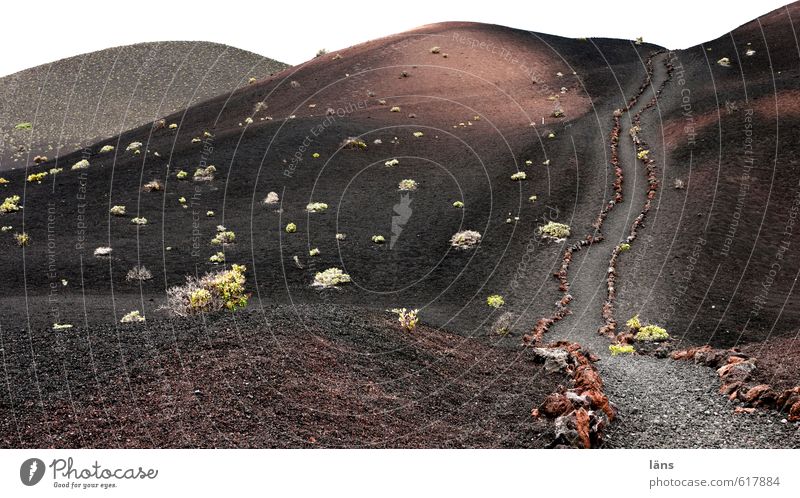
[{"x": 40, "y": 31}]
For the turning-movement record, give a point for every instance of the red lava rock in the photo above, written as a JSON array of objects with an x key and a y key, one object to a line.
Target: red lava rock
[
  {"x": 794, "y": 412},
  {"x": 741, "y": 409},
  {"x": 757, "y": 392},
  {"x": 587, "y": 378},
  {"x": 733, "y": 372},
  {"x": 535, "y": 413},
  {"x": 555, "y": 404},
  {"x": 582, "y": 426},
  {"x": 599, "y": 401},
  {"x": 787, "y": 398},
  {"x": 727, "y": 389}
]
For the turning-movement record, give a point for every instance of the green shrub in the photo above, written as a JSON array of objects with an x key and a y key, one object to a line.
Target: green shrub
[
  {"x": 634, "y": 323},
  {"x": 132, "y": 317},
  {"x": 82, "y": 164},
  {"x": 620, "y": 349},
  {"x": 495, "y": 301},
  {"x": 182, "y": 175},
  {"x": 407, "y": 185},
  {"x": 408, "y": 318},
  {"x": 217, "y": 258},
  {"x": 23, "y": 239},
  {"x": 225, "y": 238},
  {"x": 331, "y": 277},
  {"x": 291, "y": 228},
  {"x": 117, "y": 210},
  {"x": 651, "y": 333},
  {"x": 624, "y": 247},
  {"x": 10, "y": 205},
  {"x": 378, "y": 239},
  {"x": 23, "y": 126},
  {"x": 316, "y": 207},
  {"x": 106, "y": 149},
  {"x": 518, "y": 176},
  {"x": 458, "y": 204},
  {"x": 554, "y": 230},
  {"x": 224, "y": 289},
  {"x": 37, "y": 177}
]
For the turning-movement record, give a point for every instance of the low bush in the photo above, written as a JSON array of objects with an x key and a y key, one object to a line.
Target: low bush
[
  {"x": 225, "y": 237},
  {"x": 133, "y": 147},
  {"x": 495, "y": 301},
  {"x": 204, "y": 174},
  {"x": 10, "y": 205},
  {"x": 217, "y": 258},
  {"x": 458, "y": 204},
  {"x": 117, "y": 210},
  {"x": 103, "y": 252},
  {"x": 272, "y": 198},
  {"x": 139, "y": 220},
  {"x": 465, "y": 239},
  {"x": 138, "y": 274},
  {"x": 37, "y": 177},
  {"x": 314, "y": 252},
  {"x": 378, "y": 239},
  {"x": 106, "y": 149},
  {"x": 182, "y": 175},
  {"x": 152, "y": 186},
  {"x": 634, "y": 323},
  {"x": 520, "y": 175},
  {"x": 651, "y": 333},
  {"x": 353, "y": 143},
  {"x": 23, "y": 126},
  {"x": 408, "y": 318},
  {"x": 391, "y": 162},
  {"x": 216, "y": 291},
  {"x": 316, "y": 207},
  {"x": 617, "y": 349},
  {"x": 554, "y": 230},
  {"x": 132, "y": 317},
  {"x": 331, "y": 277},
  {"x": 22, "y": 239},
  {"x": 82, "y": 164},
  {"x": 291, "y": 228},
  {"x": 407, "y": 185}
]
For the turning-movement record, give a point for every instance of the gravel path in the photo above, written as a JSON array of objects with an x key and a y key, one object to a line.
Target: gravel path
[{"x": 662, "y": 403}]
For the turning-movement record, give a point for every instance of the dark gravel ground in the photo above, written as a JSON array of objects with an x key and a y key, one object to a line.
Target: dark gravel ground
[{"x": 301, "y": 376}]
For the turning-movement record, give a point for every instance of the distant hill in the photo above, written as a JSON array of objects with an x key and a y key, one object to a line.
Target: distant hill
[{"x": 77, "y": 101}]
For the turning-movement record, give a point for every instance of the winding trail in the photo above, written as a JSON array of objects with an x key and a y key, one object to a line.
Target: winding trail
[{"x": 660, "y": 402}]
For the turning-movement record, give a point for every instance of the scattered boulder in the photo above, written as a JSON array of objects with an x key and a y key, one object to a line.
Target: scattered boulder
[
  {"x": 555, "y": 404},
  {"x": 736, "y": 372},
  {"x": 555, "y": 359}
]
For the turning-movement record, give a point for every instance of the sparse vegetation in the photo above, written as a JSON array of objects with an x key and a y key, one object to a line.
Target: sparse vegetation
[
  {"x": 139, "y": 220},
  {"x": 23, "y": 126},
  {"x": 106, "y": 149},
  {"x": 153, "y": 185},
  {"x": 82, "y": 164},
  {"x": 316, "y": 207},
  {"x": 209, "y": 214},
  {"x": 331, "y": 277},
  {"x": 408, "y": 318},
  {"x": 117, "y": 210},
  {"x": 55, "y": 171},
  {"x": 102, "y": 252},
  {"x": 391, "y": 162},
  {"x": 378, "y": 239},
  {"x": 138, "y": 274},
  {"x": 418, "y": 134},
  {"x": 37, "y": 177},
  {"x": 395, "y": 109},
  {"x": 435, "y": 50},
  {"x": 340, "y": 236},
  {"x": 321, "y": 52},
  {"x": 216, "y": 291},
  {"x": 182, "y": 175},
  {"x": 133, "y": 147},
  {"x": 465, "y": 239},
  {"x": 353, "y": 143},
  {"x": 272, "y": 198},
  {"x": 634, "y": 323},
  {"x": 624, "y": 247},
  {"x": 495, "y": 301},
  {"x": 22, "y": 239},
  {"x": 617, "y": 349},
  {"x": 291, "y": 228},
  {"x": 10, "y": 205},
  {"x": 532, "y": 198},
  {"x": 642, "y": 154},
  {"x": 217, "y": 258},
  {"x": 3, "y": 181},
  {"x": 314, "y": 252},
  {"x": 554, "y": 230},
  {"x": 224, "y": 238},
  {"x": 651, "y": 333},
  {"x": 519, "y": 175},
  {"x": 407, "y": 185},
  {"x": 132, "y": 317},
  {"x": 204, "y": 174},
  {"x": 458, "y": 204},
  {"x": 724, "y": 62}
]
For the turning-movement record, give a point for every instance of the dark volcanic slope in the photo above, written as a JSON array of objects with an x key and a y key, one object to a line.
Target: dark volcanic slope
[
  {"x": 723, "y": 254},
  {"x": 76, "y": 101}
]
